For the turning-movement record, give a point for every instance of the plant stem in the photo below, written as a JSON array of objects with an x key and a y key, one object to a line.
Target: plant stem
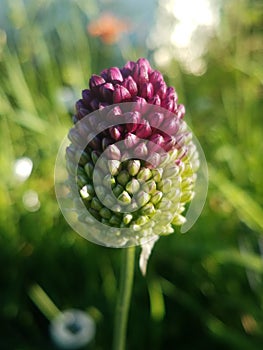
[
  {"x": 124, "y": 298},
  {"x": 43, "y": 302}
]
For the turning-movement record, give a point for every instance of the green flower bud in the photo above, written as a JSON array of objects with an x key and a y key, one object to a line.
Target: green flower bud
[
  {"x": 89, "y": 167},
  {"x": 178, "y": 220},
  {"x": 84, "y": 193},
  {"x": 125, "y": 198},
  {"x": 105, "y": 213},
  {"x": 143, "y": 198},
  {"x": 115, "y": 220},
  {"x": 165, "y": 185},
  {"x": 95, "y": 156},
  {"x": 90, "y": 190},
  {"x": 148, "y": 209},
  {"x": 108, "y": 201},
  {"x": 81, "y": 180},
  {"x": 96, "y": 204},
  {"x": 142, "y": 220},
  {"x": 133, "y": 167},
  {"x": 149, "y": 186},
  {"x": 157, "y": 174},
  {"x": 114, "y": 166},
  {"x": 117, "y": 190},
  {"x": 123, "y": 177},
  {"x": 156, "y": 197},
  {"x": 116, "y": 208},
  {"x": 144, "y": 174},
  {"x": 187, "y": 197},
  {"x": 133, "y": 186},
  {"x": 71, "y": 168},
  {"x": 82, "y": 157},
  {"x": 127, "y": 218},
  {"x": 94, "y": 213},
  {"x": 170, "y": 172},
  {"x": 109, "y": 180}
]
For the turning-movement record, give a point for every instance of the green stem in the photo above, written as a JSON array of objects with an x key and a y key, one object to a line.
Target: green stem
[
  {"x": 124, "y": 298},
  {"x": 43, "y": 302}
]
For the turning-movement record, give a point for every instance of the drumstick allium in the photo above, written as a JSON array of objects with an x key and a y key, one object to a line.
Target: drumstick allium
[
  {"x": 131, "y": 157},
  {"x": 132, "y": 167}
]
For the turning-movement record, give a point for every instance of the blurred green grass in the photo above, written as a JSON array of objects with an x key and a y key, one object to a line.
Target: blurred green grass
[{"x": 204, "y": 289}]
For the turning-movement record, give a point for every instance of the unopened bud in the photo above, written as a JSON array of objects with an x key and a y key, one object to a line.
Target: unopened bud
[
  {"x": 143, "y": 198},
  {"x": 125, "y": 198},
  {"x": 123, "y": 177},
  {"x": 144, "y": 174},
  {"x": 114, "y": 166},
  {"x": 133, "y": 167},
  {"x": 133, "y": 186}
]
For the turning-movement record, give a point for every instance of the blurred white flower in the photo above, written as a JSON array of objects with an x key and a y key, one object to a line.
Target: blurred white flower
[
  {"x": 22, "y": 168},
  {"x": 31, "y": 200},
  {"x": 72, "y": 329}
]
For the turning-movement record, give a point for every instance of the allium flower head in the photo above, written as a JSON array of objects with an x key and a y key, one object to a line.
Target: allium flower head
[
  {"x": 132, "y": 160},
  {"x": 135, "y": 82}
]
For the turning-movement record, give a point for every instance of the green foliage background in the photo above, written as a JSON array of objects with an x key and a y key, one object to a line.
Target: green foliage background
[{"x": 204, "y": 289}]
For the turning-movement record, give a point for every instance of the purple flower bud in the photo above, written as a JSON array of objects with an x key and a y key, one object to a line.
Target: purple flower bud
[
  {"x": 155, "y": 77},
  {"x": 180, "y": 111},
  {"x": 141, "y": 150},
  {"x": 158, "y": 139},
  {"x": 169, "y": 143},
  {"x": 160, "y": 88},
  {"x": 82, "y": 112},
  {"x": 168, "y": 104},
  {"x": 70, "y": 153},
  {"x": 95, "y": 143},
  {"x": 130, "y": 85},
  {"x": 170, "y": 126},
  {"x": 94, "y": 104},
  {"x": 104, "y": 74},
  {"x": 116, "y": 132},
  {"x": 141, "y": 104},
  {"x": 128, "y": 68},
  {"x": 87, "y": 96},
  {"x": 106, "y": 91},
  {"x": 96, "y": 81},
  {"x": 130, "y": 140},
  {"x": 145, "y": 62},
  {"x": 147, "y": 90},
  {"x": 93, "y": 121},
  {"x": 155, "y": 100},
  {"x": 75, "y": 137},
  {"x": 106, "y": 141},
  {"x": 153, "y": 160},
  {"x": 133, "y": 119},
  {"x": 113, "y": 152},
  {"x": 121, "y": 94},
  {"x": 144, "y": 130},
  {"x": 114, "y": 75},
  {"x": 140, "y": 73},
  {"x": 156, "y": 119},
  {"x": 114, "y": 114}
]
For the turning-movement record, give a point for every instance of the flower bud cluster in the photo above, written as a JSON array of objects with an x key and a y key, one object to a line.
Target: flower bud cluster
[
  {"x": 132, "y": 160},
  {"x": 135, "y": 82}
]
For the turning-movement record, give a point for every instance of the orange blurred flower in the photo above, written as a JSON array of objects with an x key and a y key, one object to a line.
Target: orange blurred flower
[{"x": 108, "y": 28}]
